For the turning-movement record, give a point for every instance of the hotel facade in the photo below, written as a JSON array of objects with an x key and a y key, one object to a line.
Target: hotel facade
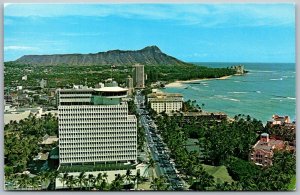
[
  {"x": 94, "y": 126},
  {"x": 165, "y": 102}
]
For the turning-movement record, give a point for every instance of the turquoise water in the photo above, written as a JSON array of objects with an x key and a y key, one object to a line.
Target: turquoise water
[{"x": 266, "y": 90}]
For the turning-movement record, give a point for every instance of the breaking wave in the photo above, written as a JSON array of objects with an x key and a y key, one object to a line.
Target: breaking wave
[
  {"x": 280, "y": 79},
  {"x": 237, "y": 92},
  {"x": 291, "y": 98}
]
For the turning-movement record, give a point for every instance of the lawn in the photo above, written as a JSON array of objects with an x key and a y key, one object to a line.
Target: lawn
[
  {"x": 219, "y": 173},
  {"x": 145, "y": 185},
  {"x": 292, "y": 185}
]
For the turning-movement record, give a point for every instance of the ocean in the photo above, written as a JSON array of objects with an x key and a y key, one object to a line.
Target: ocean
[{"x": 266, "y": 90}]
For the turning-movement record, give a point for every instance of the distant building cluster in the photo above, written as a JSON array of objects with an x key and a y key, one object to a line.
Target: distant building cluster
[
  {"x": 263, "y": 151},
  {"x": 239, "y": 69},
  {"x": 283, "y": 121}
]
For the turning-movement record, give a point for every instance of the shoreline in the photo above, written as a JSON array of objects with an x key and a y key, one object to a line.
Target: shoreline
[{"x": 181, "y": 83}]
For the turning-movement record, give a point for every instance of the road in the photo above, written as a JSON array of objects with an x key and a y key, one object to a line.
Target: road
[{"x": 156, "y": 146}]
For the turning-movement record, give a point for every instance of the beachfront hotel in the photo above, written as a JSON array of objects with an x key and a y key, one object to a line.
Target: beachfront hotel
[
  {"x": 138, "y": 76},
  {"x": 263, "y": 151},
  {"x": 165, "y": 102},
  {"x": 94, "y": 126}
]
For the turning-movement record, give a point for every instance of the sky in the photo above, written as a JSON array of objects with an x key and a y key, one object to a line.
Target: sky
[{"x": 189, "y": 32}]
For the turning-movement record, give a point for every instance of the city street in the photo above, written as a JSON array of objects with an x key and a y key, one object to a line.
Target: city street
[{"x": 156, "y": 146}]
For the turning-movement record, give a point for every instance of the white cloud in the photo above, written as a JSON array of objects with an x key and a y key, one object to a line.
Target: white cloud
[
  {"x": 19, "y": 48},
  {"x": 207, "y": 15}
]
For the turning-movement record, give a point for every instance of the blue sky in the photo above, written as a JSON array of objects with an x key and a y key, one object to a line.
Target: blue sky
[{"x": 190, "y": 32}]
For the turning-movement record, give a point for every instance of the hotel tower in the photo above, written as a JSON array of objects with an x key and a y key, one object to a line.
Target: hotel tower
[{"x": 94, "y": 126}]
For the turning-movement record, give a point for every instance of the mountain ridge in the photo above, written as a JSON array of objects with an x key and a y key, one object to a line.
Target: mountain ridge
[{"x": 150, "y": 55}]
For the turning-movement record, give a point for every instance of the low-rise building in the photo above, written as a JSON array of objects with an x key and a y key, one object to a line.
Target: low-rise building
[
  {"x": 17, "y": 114},
  {"x": 279, "y": 120},
  {"x": 49, "y": 140},
  {"x": 43, "y": 83},
  {"x": 19, "y": 88},
  {"x": 24, "y": 78},
  {"x": 263, "y": 151},
  {"x": 284, "y": 124},
  {"x": 165, "y": 102}
]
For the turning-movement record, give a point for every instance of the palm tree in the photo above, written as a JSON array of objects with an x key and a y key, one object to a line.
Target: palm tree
[
  {"x": 33, "y": 182},
  {"x": 69, "y": 181},
  {"x": 91, "y": 180},
  {"x": 117, "y": 183},
  {"x": 24, "y": 181},
  {"x": 159, "y": 183},
  {"x": 203, "y": 179},
  {"x": 80, "y": 179},
  {"x": 137, "y": 178},
  {"x": 45, "y": 177},
  {"x": 154, "y": 184},
  {"x": 105, "y": 176},
  {"x": 151, "y": 165},
  {"x": 54, "y": 175},
  {"x": 98, "y": 179},
  {"x": 64, "y": 178},
  {"x": 104, "y": 183},
  {"x": 202, "y": 106},
  {"x": 128, "y": 175}
]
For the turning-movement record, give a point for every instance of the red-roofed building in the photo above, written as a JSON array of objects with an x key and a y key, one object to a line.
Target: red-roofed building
[{"x": 263, "y": 151}]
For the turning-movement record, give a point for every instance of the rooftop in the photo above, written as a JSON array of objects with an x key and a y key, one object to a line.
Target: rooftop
[
  {"x": 49, "y": 140},
  {"x": 111, "y": 89},
  {"x": 267, "y": 146}
]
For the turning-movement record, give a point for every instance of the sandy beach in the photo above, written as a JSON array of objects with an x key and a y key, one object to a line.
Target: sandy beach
[{"x": 181, "y": 83}]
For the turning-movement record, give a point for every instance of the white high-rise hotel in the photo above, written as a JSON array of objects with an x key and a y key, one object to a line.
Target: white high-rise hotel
[{"x": 94, "y": 126}]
